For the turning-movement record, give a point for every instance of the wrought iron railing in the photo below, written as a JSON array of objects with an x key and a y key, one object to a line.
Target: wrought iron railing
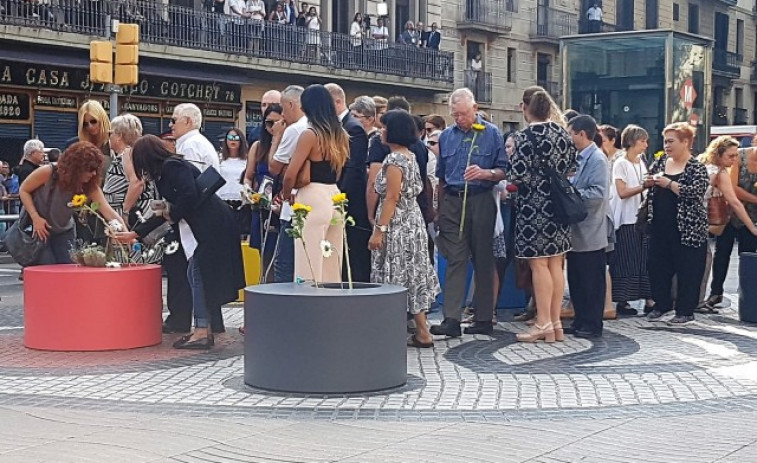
[
  {"x": 720, "y": 115},
  {"x": 588, "y": 27},
  {"x": 726, "y": 62},
  {"x": 496, "y": 14},
  {"x": 552, "y": 23},
  {"x": 204, "y": 30},
  {"x": 740, "y": 116},
  {"x": 480, "y": 83}
]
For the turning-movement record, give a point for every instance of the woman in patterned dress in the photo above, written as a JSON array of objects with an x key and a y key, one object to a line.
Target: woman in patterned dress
[
  {"x": 399, "y": 241},
  {"x": 538, "y": 237}
]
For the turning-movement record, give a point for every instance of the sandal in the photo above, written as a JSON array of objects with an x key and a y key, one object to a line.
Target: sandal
[{"x": 414, "y": 342}]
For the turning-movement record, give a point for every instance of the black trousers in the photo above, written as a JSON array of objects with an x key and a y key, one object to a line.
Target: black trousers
[
  {"x": 722, "y": 258},
  {"x": 668, "y": 257},
  {"x": 587, "y": 283},
  {"x": 360, "y": 255}
]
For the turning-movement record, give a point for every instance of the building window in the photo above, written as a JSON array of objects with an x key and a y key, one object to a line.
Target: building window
[
  {"x": 740, "y": 38},
  {"x": 693, "y": 18},
  {"x": 676, "y": 12},
  {"x": 511, "y": 63}
]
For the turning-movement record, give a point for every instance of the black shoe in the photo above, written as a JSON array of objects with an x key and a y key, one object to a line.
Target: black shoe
[
  {"x": 571, "y": 330},
  {"x": 217, "y": 330},
  {"x": 587, "y": 334},
  {"x": 655, "y": 315},
  {"x": 449, "y": 327},
  {"x": 624, "y": 309},
  {"x": 168, "y": 329},
  {"x": 648, "y": 308},
  {"x": 479, "y": 328},
  {"x": 681, "y": 320},
  {"x": 198, "y": 344}
]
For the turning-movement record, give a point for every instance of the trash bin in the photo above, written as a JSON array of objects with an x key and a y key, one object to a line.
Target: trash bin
[{"x": 747, "y": 287}]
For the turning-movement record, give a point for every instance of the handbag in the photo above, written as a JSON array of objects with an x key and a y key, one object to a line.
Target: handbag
[
  {"x": 718, "y": 211},
  {"x": 567, "y": 205},
  {"x": 23, "y": 246},
  {"x": 642, "y": 216},
  {"x": 208, "y": 182}
]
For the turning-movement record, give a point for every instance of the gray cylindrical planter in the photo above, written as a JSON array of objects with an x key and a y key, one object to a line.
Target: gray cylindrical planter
[{"x": 316, "y": 340}]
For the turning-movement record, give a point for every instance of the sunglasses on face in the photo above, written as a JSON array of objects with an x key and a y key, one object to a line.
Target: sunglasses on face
[
  {"x": 86, "y": 124},
  {"x": 432, "y": 143},
  {"x": 269, "y": 123},
  {"x": 233, "y": 137}
]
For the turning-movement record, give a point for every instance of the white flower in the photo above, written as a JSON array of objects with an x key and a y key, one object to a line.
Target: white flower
[
  {"x": 116, "y": 226},
  {"x": 326, "y": 248},
  {"x": 172, "y": 247},
  {"x": 140, "y": 217},
  {"x": 113, "y": 264},
  {"x": 151, "y": 253}
]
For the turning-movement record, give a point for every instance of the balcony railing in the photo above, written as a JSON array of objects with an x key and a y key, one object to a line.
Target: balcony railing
[
  {"x": 726, "y": 62},
  {"x": 553, "y": 24},
  {"x": 740, "y": 116},
  {"x": 585, "y": 27},
  {"x": 493, "y": 15},
  {"x": 720, "y": 115},
  {"x": 189, "y": 28},
  {"x": 480, "y": 83}
]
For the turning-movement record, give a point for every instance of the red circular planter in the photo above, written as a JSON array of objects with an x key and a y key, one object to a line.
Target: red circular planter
[{"x": 74, "y": 308}]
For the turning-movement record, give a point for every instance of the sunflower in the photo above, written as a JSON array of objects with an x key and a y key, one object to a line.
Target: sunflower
[
  {"x": 255, "y": 198},
  {"x": 339, "y": 198},
  {"x": 79, "y": 200},
  {"x": 478, "y": 127}
]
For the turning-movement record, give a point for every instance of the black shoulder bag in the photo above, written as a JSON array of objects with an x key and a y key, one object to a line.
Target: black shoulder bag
[{"x": 567, "y": 205}]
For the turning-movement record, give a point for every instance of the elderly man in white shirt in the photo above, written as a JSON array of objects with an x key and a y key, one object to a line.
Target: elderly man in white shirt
[
  {"x": 286, "y": 133},
  {"x": 190, "y": 143}
]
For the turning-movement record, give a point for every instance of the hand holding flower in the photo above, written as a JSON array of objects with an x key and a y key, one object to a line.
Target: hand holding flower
[{"x": 125, "y": 237}]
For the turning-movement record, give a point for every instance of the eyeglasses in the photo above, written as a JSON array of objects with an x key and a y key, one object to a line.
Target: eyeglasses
[
  {"x": 432, "y": 143},
  {"x": 359, "y": 116},
  {"x": 269, "y": 123},
  {"x": 233, "y": 137},
  {"x": 86, "y": 124}
]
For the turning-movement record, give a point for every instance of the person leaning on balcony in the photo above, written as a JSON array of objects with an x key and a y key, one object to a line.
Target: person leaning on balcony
[
  {"x": 409, "y": 36},
  {"x": 594, "y": 16}
]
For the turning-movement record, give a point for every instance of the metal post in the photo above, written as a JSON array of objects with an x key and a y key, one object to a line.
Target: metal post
[{"x": 114, "y": 91}]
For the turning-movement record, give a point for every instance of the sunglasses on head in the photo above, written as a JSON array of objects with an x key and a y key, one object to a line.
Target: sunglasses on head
[
  {"x": 432, "y": 143},
  {"x": 233, "y": 137},
  {"x": 86, "y": 124}
]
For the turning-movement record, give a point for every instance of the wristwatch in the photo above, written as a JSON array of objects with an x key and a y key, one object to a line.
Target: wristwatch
[
  {"x": 493, "y": 172},
  {"x": 381, "y": 228}
]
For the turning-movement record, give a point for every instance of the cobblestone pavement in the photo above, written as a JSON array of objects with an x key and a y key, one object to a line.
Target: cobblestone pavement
[{"x": 629, "y": 397}]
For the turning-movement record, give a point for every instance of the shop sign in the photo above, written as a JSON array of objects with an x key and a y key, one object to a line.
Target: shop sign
[
  {"x": 212, "y": 111},
  {"x": 14, "y": 106},
  {"x": 56, "y": 101},
  {"x": 77, "y": 79},
  {"x": 134, "y": 107}
]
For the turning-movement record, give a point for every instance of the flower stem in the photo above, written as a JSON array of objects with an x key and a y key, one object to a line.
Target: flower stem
[
  {"x": 465, "y": 190},
  {"x": 310, "y": 263},
  {"x": 347, "y": 257}
]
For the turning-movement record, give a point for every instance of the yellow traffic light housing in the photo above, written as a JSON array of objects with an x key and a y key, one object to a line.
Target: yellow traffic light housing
[
  {"x": 101, "y": 62},
  {"x": 127, "y": 54}
]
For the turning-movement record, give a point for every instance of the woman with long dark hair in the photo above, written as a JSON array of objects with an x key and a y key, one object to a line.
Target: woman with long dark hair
[
  {"x": 232, "y": 169},
  {"x": 255, "y": 174},
  {"x": 208, "y": 233},
  {"x": 322, "y": 151}
]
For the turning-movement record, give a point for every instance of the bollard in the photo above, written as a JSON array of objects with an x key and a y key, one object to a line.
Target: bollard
[{"x": 747, "y": 287}]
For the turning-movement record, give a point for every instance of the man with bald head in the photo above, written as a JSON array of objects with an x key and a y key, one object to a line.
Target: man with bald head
[
  {"x": 353, "y": 182},
  {"x": 270, "y": 97}
]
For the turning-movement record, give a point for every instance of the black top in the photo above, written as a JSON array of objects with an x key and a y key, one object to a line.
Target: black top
[
  {"x": 354, "y": 175},
  {"x": 24, "y": 170},
  {"x": 666, "y": 207},
  {"x": 321, "y": 172}
]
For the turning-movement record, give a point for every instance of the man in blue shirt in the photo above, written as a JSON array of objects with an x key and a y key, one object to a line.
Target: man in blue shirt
[{"x": 471, "y": 152}]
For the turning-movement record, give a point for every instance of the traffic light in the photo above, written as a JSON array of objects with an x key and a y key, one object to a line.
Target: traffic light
[
  {"x": 127, "y": 54},
  {"x": 101, "y": 62}
]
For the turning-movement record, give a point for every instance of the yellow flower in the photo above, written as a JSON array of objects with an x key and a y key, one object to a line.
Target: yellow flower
[
  {"x": 659, "y": 154},
  {"x": 339, "y": 198},
  {"x": 479, "y": 127},
  {"x": 296, "y": 207},
  {"x": 308, "y": 209},
  {"x": 79, "y": 200},
  {"x": 255, "y": 198}
]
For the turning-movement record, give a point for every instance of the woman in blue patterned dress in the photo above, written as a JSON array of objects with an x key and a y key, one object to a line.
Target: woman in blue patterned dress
[{"x": 399, "y": 241}]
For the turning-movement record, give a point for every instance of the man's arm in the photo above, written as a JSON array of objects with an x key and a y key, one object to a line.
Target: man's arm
[{"x": 596, "y": 190}]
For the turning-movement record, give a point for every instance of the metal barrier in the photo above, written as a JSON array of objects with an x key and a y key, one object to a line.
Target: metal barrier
[{"x": 204, "y": 30}]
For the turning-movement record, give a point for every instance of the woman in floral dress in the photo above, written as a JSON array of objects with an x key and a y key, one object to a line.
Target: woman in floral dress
[{"x": 399, "y": 241}]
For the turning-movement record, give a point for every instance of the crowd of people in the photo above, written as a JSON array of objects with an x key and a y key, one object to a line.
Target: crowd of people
[{"x": 418, "y": 192}]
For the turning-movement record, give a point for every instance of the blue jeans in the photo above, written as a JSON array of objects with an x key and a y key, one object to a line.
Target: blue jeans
[
  {"x": 283, "y": 266},
  {"x": 198, "y": 293},
  {"x": 56, "y": 250}
]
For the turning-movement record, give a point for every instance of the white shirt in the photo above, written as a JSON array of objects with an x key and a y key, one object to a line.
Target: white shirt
[
  {"x": 289, "y": 140},
  {"x": 475, "y": 64},
  {"x": 231, "y": 171},
  {"x": 383, "y": 33},
  {"x": 198, "y": 150},
  {"x": 256, "y": 8},
  {"x": 356, "y": 32},
  {"x": 343, "y": 114},
  {"x": 240, "y": 6},
  {"x": 594, "y": 13},
  {"x": 632, "y": 174}
]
